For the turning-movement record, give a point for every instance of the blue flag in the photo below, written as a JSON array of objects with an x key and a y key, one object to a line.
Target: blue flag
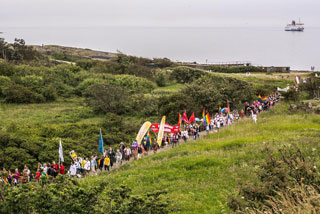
[{"x": 100, "y": 143}]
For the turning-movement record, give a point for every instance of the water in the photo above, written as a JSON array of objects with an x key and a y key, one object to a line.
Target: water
[{"x": 261, "y": 46}]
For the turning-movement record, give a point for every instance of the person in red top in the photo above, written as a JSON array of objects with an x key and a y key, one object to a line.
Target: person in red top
[
  {"x": 38, "y": 174},
  {"x": 61, "y": 169},
  {"x": 16, "y": 177},
  {"x": 55, "y": 167}
]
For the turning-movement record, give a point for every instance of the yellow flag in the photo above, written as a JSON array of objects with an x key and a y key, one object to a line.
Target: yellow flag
[
  {"x": 143, "y": 130},
  {"x": 161, "y": 130}
]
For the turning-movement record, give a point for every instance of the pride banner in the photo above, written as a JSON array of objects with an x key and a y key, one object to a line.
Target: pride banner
[
  {"x": 143, "y": 130},
  {"x": 167, "y": 128},
  {"x": 161, "y": 130}
]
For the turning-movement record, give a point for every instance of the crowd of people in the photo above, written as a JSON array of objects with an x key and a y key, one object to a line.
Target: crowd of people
[{"x": 81, "y": 167}]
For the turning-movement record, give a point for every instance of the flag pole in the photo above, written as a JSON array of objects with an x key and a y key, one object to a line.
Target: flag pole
[{"x": 59, "y": 152}]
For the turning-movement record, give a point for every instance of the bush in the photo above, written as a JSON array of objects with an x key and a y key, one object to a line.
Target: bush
[
  {"x": 160, "y": 79},
  {"x": 19, "y": 94},
  {"x": 108, "y": 98},
  {"x": 63, "y": 195},
  {"x": 235, "y": 69},
  {"x": 4, "y": 83},
  {"x": 6, "y": 69},
  {"x": 186, "y": 74},
  {"x": 277, "y": 174},
  {"x": 291, "y": 95}
]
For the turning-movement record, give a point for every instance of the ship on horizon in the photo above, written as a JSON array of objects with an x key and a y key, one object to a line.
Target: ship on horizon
[{"x": 294, "y": 26}]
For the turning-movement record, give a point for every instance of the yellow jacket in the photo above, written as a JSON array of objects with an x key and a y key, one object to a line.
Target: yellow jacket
[{"x": 107, "y": 161}]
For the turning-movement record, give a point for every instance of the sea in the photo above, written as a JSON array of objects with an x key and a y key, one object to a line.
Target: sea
[{"x": 265, "y": 46}]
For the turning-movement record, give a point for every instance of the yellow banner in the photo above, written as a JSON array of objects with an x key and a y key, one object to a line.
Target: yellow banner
[
  {"x": 143, "y": 130},
  {"x": 161, "y": 130}
]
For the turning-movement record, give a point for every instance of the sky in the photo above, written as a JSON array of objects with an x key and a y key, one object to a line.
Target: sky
[{"x": 171, "y": 13}]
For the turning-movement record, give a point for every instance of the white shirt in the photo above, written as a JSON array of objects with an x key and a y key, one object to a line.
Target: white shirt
[
  {"x": 73, "y": 170},
  {"x": 87, "y": 165}
]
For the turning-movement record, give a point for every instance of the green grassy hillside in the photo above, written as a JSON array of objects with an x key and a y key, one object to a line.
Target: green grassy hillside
[{"x": 200, "y": 176}]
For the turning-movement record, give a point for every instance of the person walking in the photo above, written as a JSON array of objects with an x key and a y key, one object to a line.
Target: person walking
[
  {"x": 93, "y": 164},
  {"x": 118, "y": 158},
  {"x": 111, "y": 156},
  {"x": 107, "y": 163},
  {"x": 127, "y": 153},
  {"x": 155, "y": 147},
  {"x": 62, "y": 169},
  {"x": 140, "y": 151}
]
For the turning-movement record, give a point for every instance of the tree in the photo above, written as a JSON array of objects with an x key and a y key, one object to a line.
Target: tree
[{"x": 107, "y": 98}]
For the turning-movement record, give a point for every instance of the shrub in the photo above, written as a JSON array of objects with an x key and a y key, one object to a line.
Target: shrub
[
  {"x": 107, "y": 98},
  {"x": 277, "y": 174},
  {"x": 160, "y": 79},
  {"x": 186, "y": 74},
  {"x": 19, "y": 94},
  {"x": 4, "y": 83},
  {"x": 235, "y": 69},
  {"x": 291, "y": 95}
]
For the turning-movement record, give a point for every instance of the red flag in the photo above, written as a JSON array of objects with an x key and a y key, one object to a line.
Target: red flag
[
  {"x": 185, "y": 117},
  {"x": 179, "y": 122},
  {"x": 192, "y": 118}
]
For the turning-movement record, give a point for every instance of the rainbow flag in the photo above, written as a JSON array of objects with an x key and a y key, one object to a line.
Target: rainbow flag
[
  {"x": 45, "y": 174},
  {"x": 180, "y": 119},
  {"x": 204, "y": 117},
  {"x": 262, "y": 99},
  {"x": 149, "y": 139},
  {"x": 219, "y": 109},
  {"x": 228, "y": 108},
  {"x": 5, "y": 181},
  {"x": 208, "y": 119}
]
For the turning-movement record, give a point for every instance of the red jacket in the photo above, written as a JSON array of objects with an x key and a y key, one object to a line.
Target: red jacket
[
  {"x": 38, "y": 174},
  {"x": 61, "y": 170},
  {"x": 55, "y": 166}
]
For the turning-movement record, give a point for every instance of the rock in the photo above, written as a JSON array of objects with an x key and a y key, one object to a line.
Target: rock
[
  {"x": 293, "y": 107},
  {"x": 309, "y": 106}
]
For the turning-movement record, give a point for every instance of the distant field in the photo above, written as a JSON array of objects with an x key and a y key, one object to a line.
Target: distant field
[
  {"x": 200, "y": 176},
  {"x": 277, "y": 79}
]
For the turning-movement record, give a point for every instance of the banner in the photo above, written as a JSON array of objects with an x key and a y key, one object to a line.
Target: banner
[
  {"x": 161, "y": 130},
  {"x": 60, "y": 151},
  {"x": 167, "y": 128},
  {"x": 143, "y": 130}
]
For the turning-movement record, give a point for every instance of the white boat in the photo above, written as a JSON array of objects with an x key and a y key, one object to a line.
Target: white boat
[{"x": 294, "y": 26}]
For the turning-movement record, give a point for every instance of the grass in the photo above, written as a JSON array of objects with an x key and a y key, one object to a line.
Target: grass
[
  {"x": 62, "y": 111},
  {"x": 277, "y": 79},
  {"x": 200, "y": 176},
  {"x": 169, "y": 89}
]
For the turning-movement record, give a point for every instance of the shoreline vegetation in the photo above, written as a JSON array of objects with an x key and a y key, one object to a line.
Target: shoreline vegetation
[{"x": 45, "y": 96}]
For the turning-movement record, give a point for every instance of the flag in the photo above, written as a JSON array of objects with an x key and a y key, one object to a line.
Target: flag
[
  {"x": 262, "y": 99},
  {"x": 219, "y": 109},
  {"x": 297, "y": 80},
  {"x": 100, "y": 143},
  {"x": 60, "y": 151},
  {"x": 192, "y": 118},
  {"x": 185, "y": 117},
  {"x": 149, "y": 139},
  {"x": 228, "y": 108},
  {"x": 5, "y": 181},
  {"x": 208, "y": 119},
  {"x": 204, "y": 117},
  {"x": 179, "y": 123}
]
